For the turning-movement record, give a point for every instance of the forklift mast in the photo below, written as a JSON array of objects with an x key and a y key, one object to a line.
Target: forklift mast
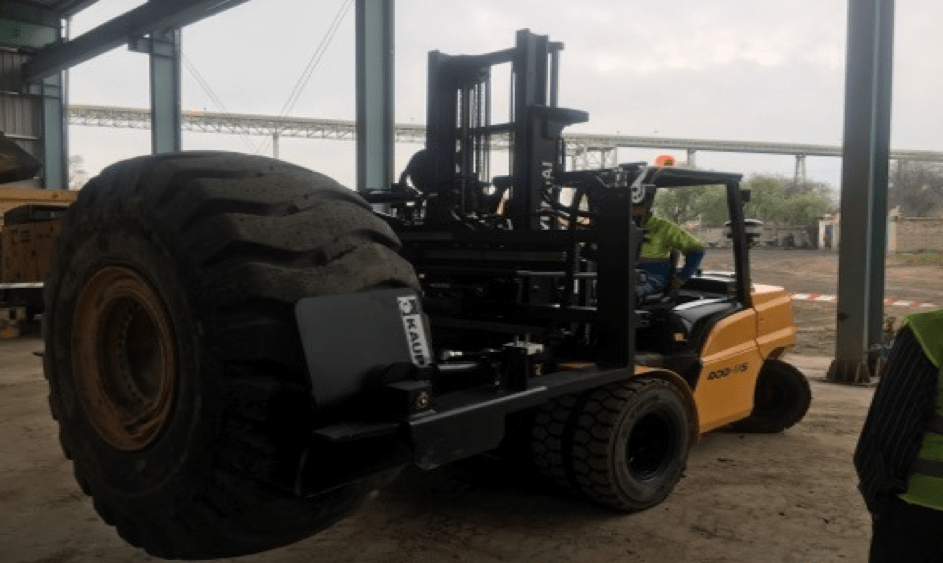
[
  {"x": 460, "y": 131},
  {"x": 539, "y": 253}
]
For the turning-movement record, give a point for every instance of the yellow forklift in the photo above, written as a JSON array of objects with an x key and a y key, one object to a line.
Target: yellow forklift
[{"x": 240, "y": 350}]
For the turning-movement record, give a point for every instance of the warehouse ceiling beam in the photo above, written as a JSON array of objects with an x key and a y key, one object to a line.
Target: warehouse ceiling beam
[{"x": 150, "y": 18}]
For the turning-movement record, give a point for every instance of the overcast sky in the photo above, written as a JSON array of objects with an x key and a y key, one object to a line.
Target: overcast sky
[{"x": 770, "y": 70}]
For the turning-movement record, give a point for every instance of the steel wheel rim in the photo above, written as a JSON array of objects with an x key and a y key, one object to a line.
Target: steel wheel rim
[
  {"x": 124, "y": 358},
  {"x": 650, "y": 445}
]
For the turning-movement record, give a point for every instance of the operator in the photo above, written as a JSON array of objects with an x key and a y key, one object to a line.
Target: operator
[
  {"x": 899, "y": 457},
  {"x": 661, "y": 238},
  {"x": 419, "y": 171}
]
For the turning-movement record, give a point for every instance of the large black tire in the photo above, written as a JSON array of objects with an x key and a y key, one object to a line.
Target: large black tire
[
  {"x": 781, "y": 399},
  {"x": 175, "y": 366},
  {"x": 624, "y": 445}
]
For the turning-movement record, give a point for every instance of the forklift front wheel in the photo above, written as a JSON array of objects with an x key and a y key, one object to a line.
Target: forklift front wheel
[{"x": 624, "y": 445}]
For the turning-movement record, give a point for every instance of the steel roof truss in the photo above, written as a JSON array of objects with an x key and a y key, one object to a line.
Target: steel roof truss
[{"x": 152, "y": 17}]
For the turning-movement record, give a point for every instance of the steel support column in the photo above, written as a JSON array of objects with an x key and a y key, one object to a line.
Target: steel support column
[
  {"x": 55, "y": 167},
  {"x": 375, "y": 123},
  {"x": 164, "y": 51},
  {"x": 864, "y": 190},
  {"x": 25, "y": 29}
]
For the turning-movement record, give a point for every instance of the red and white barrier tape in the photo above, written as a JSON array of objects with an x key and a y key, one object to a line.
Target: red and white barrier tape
[{"x": 834, "y": 298}]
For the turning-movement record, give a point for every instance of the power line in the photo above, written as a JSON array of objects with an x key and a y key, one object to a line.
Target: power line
[
  {"x": 310, "y": 67},
  {"x": 315, "y": 59},
  {"x": 215, "y": 99}
]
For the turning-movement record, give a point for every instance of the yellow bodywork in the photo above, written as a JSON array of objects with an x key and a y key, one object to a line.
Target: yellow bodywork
[
  {"x": 26, "y": 248},
  {"x": 734, "y": 352},
  {"x": 732, "y": 356},
  {"x": 11, "y": 197}
]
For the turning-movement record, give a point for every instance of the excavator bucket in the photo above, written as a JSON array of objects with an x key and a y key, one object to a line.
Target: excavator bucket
[{"x": 15, "y": 163}]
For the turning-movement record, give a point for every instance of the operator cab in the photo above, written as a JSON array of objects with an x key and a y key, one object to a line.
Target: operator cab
[{"x": 678, "y": 318}]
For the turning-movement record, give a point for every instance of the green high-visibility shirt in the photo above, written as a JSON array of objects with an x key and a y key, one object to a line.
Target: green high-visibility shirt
[
  {"x": 663, "y": 237},
  {"x": 927, "y": 490}
]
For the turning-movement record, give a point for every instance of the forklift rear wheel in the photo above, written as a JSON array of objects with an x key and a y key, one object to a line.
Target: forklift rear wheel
[
  {"x": 175, "y": 368},
  {"x": 624, "y": 445},
  {"x": 781, "y": 400}
]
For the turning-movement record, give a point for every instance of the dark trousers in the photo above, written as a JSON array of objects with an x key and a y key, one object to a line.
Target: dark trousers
[{"x": 907, "y": 533}]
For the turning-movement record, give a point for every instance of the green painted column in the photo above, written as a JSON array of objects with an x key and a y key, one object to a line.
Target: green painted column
[
  {"x": 54, "y": 138},
  {"x": 864, "y": 190},
  {"x": 375, "y": 86},
  {"x": 164, "y": 52}
]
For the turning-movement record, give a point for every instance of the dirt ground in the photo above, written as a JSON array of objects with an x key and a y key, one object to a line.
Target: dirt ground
[{"x": 744, "y": 498}]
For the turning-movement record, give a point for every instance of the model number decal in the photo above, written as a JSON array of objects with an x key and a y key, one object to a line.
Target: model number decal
[
  {"x": 415, "y": 331},
  {"x": 724, "y": 372}
]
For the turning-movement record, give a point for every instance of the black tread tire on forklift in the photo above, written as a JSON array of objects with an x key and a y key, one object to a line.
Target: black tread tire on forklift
[
  {"x": 624, "y": 445},
  {"x": 170, "y": 308},
  {"x": 782, "y": 398},
  {"x": 550, "y": 425}
]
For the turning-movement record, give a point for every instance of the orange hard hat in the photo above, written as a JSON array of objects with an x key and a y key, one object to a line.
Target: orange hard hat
[{"x": 665, "y": 160}]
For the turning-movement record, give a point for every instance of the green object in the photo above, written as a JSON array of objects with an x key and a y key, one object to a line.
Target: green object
[
  {"x": 928, "y": 328},
  {"x": 663, "y": 236},
  {"x": 927, "y": 490}
]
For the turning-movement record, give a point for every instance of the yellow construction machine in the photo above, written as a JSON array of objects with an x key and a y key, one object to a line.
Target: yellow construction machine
[{"x": 29, "y": 224}]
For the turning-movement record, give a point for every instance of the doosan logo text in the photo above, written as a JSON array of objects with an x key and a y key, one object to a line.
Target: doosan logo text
[{"x": 724, "y": 372}]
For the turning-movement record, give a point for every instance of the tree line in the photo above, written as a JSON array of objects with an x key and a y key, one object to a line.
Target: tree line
[
  {"x": 773, "y": 199},
  {"x": 917, "y": 188}
]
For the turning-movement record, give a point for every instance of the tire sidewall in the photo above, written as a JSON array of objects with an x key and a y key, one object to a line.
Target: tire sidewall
[
  {"x": 663, "y": 400},
  {"x": 109, "y": 470}
]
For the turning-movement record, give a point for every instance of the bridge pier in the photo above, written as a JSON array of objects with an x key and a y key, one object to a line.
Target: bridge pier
[{"x": 800, "y": 174}]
